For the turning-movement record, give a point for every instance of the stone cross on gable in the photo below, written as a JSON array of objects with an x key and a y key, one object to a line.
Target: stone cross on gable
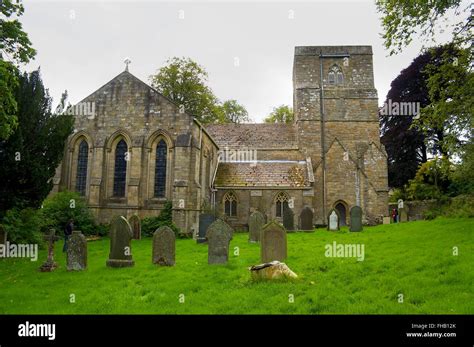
[
  {"x": 49, "y": 265},
  {"x": 127, "y": 62}
]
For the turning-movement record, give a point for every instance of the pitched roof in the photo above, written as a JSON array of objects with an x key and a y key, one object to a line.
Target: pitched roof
[
  {"x": 264, "y": 173},
  {"x": 254, "y": 136}
]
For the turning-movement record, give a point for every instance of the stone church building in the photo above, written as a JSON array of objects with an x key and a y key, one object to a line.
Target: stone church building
[{"x": 133, "y": 149}]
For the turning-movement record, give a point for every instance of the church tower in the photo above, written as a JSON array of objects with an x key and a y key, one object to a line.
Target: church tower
[{"x": 336, "y": 119}]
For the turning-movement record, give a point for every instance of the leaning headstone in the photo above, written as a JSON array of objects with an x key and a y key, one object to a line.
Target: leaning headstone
[
  {"x": 76, "y": 252},
  {"x": 256, "y": 222},
  {"x": 3, "y": 235},
  {"x": 135, "y": 224},
  {"x": 218, "y": 236},
  {"x": 50, "y": 265},
  {"x": 356, "y": 218},
  {"x": 333, "y": 220},
  {"x": 288, "y": 219},
  {"x": 164, "y": 246},
  {"x": 403, "y": 215},
  {"x": 120, "y": 243},
  {"x": 205, "y": 220},
  {"x": 386, "y": 220},
  {"x": 273, "y": 243},
  {"x": 306, "y": 219}
]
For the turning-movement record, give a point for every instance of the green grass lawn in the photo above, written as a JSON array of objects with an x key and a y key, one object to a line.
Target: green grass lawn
[{"x": 414, "y": 259}]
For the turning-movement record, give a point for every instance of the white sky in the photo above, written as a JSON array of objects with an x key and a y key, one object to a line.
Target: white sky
[{"x": 82, "y": 44}]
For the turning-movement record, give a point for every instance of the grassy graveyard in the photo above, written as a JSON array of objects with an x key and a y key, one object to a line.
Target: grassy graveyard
[{"x": 414, "y": 259}]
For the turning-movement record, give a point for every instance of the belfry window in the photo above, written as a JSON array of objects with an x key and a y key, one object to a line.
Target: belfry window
[{"x": 335, "y": 75}]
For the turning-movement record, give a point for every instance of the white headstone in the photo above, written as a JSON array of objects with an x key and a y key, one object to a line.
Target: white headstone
[{"x": 333, "y": 221}]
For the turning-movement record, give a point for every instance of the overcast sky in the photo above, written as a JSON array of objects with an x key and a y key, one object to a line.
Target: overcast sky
[{"x": 82, "y": 44}]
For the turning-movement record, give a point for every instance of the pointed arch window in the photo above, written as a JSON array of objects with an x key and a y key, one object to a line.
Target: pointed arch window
[
  {"x": 120, "y": 172},
  {"x": 160, "y": 169},
  {"x": 230, "y": 204},
  {"x": 281, "y": 202},
  {"x": 81, "y": 174},
  {"x": 335, "y": 75}
]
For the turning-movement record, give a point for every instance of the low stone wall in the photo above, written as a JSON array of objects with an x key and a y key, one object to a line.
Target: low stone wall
[{"x": 416, "y": 209}]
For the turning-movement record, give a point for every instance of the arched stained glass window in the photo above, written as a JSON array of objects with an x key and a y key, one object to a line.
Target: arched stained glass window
[
  {"x": 81, "y": 174},
  {"x": 160, "y": 169},
  {"x": 120, "y": 172}
]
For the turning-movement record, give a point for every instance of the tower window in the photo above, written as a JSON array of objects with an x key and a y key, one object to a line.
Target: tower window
[{"x": 335, "y": 75}]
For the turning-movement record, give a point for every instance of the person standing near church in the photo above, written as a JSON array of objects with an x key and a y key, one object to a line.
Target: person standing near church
[{"x": 67, "y": 233}]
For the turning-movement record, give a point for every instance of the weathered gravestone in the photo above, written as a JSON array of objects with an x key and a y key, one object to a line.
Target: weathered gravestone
[
  {"x": 218, "y": 236},
  {"x": 205, "y": 220},
  {"x": 256, "y": 223},
  {"x": 273, "y": 243},
  {"x": 76, "y": 252},
  {"x": 333, "y": 220},
  {"x": 306, "y": 219},
  {"x": 386, "y": 220},
  {"x": 288, "y": 218},
  {"x": 135, "y": 224},
  {"x": 164, "y": 246},
  {"x": 50, "y": 265},
  {"x": 403, "y": 215},
  {"x": 3, "y": 235},
  {"x": 356, "y": 218},
  {"x": 120, "y": 243}
]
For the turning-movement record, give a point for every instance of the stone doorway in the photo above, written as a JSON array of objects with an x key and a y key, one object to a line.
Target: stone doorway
[{"x": 341, "y": 208}]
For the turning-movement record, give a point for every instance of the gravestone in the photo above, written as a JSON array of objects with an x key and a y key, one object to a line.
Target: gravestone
[
  {"x": 50, "y": 265},
  {"x": 218, "y": 236},
  {"x": 306, "y": 219},
  {"x": 386, "y": 220},
  {"x": 3, "y": 235},
  {"x": 164, "y": 246},
  {"x": 288, "y": 219},
  {"x": 403, "y": 215},
  {"x": 76, "y": 252},
  {"x": 135, "y": 224},
  {"x": 333, "y": 220},
  {"x": 205, "y": 220},
  {"x": 273, "y": 243},
  {"x": 400, "y": 204},
  {"x": 256, "y": 222},
  {"x": 120, "y": 243},
  {"x": 356, "y": 218}
]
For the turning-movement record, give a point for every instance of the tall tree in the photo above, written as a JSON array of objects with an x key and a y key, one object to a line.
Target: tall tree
[
  {"x": 31, "y": 154},
  {"x": 185, "y": 82},
  {"x": 280, "y": 114},
  {"x": 233, "y": 112},
  {"x": 16, "y": 47}
]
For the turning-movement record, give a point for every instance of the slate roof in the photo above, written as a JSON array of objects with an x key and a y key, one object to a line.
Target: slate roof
[
  {"x": 264, "y": 173},
  {"x": 253, "y": 136}
]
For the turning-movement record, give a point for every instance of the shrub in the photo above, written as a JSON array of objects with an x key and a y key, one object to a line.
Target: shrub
[
  {"x": 150, "y": 224},
  {"x": 24, "y": 226},
  {"x": 63, "y": 206}
]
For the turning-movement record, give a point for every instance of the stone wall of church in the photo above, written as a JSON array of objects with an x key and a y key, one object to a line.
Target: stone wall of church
[{"x": 127, "y": 109}]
